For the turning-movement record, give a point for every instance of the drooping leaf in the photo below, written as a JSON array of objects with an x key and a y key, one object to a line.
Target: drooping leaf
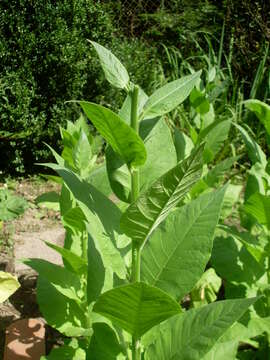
[
  {"x": 64, "y": 281},
  {"x": 151, "y": 208},
  {"x": 254, "y": 150},
  {"x": 191, "y": 335},
  {"x": 104, "y": 343},
  {"x": 261, "y": 110},
  {"x": 113, "y": 69},
  {"x": 102, "y": 215},
  {"x": 76, "y": 263},
  {"x": 175, "y": 256},
  {"x": 137, "y": 307},
  {"x": 258, "y": 206},
  {"x": 122, "y": 138},
  {"x": 169, "y": 96},
  {"x": 59, "y": 311},
  {"x": 8, "y": 285}
]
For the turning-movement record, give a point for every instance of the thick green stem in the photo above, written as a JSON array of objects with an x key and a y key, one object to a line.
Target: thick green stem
[{"x": 135, "y": 190}]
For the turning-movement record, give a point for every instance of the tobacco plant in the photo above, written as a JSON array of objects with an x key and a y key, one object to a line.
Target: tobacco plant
[
  {"x": 129, "y": 263},
  {"x": 241, "y": 254}
]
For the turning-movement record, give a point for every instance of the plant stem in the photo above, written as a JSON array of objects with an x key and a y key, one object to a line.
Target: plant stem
[{"x": 135, "y": 190}]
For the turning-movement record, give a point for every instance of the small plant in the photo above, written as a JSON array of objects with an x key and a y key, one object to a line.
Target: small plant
[{"x": 127, "y": 267}]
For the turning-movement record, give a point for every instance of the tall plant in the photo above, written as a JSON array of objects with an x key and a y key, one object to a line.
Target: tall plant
[{"x": 125, "y": 272}]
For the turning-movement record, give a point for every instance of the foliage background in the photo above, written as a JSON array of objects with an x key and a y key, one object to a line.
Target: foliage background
[{"x": 45, "y": 59}]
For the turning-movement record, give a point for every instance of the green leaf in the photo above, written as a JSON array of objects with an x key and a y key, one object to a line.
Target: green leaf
[
  {"x": 82, "y": 155},
  {"x": 104, "y": 343},
  {"x": 205, "y": 290},
  {"x": 234, "y": 263},
  {"x": 175, "y": 260},
  {"x": 191, "y": 335},
  {"x": 161, "y": 157},
  {"x": 136, "y": 308},
  {"x": 8, "y": 285},
  {"x": 230, "y": 199},
  {"x": 114, "y": 71},
  {"x": 49, "y": 200},
  {"x": 183, "y": 145},
  {"x": 151, "y": 208},
  {"x": 102, "y": 215},
  {"x": 199, "y": 102},
  {"x": 255, "y": 152},
  {"x": 66, "y": 282},
  {"x": 214, "y": 140},
  {"x": 99, "y": 178},
  {"x": 122, "y": 138},
  {"x": 258, "y": 206},
  {"x": 76, "y": 263},
  {"x": 261, "y": 110},
  {"x": 60, "y": 312},
  {"x": 11, "y": 206},
  {"x": 169, "y": 96}
]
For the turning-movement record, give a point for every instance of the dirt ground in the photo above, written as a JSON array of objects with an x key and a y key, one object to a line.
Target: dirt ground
[{"x": 22, "y": 238}]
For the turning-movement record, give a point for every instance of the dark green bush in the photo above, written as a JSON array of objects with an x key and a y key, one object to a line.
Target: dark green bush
[{"x": 45, "y": 60}]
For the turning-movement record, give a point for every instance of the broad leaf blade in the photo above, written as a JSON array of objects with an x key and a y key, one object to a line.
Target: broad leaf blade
[
  {"x": 64, "y": 281},
  {"x": 169, "y": 96},
  {"x": 152, "y": 207},
  {"x": 68, "y": 318},
  {"x": 8, "y": 285},
  {"x": 113, "y": 69},
  {"x": 122, "y": 138},
  {"x": 191, "y": 335},
  {"x": 136, "y": 308},
  {"x": 175, "y": 260}
]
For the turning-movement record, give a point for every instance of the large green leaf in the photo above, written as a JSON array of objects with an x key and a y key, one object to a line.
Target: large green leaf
[
  {"x": 8, "y": 285},
  {"x": 152, "y": 207},
  {"x": 161, "y": 157},
  {"x": 254, "y": 150},
  {"x": 102, "y": 215},
  {"x": 175, "y": 257},
  {"x": 64, "y": 281},
  {"x": 122, "y": 138},
  {"x": 169, "y": 96},
  {"x": 191, "y": 335},
  {"x": 114, "y": 71},
  {"x": 104, "y": 343},
  {"x": 59, "y": 311},
  {"x": 137, "y": 307},
  {"x": 258, "y": 206},
  {"x": 261, "y": 110}
]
